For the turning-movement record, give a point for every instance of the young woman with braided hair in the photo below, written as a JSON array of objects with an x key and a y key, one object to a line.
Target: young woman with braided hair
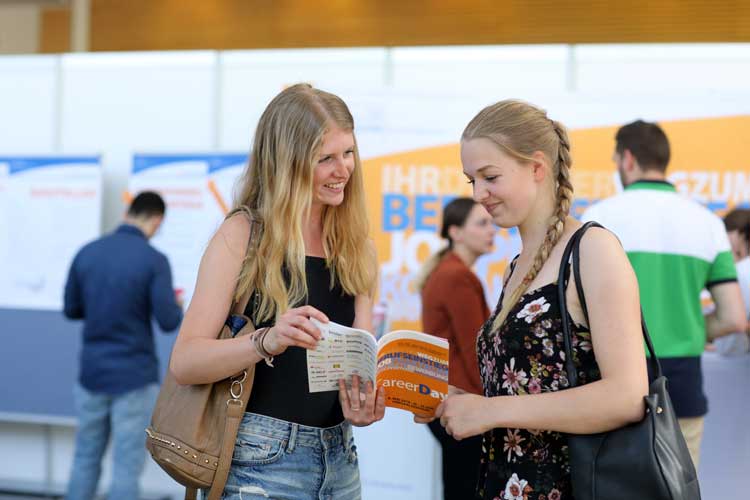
[{"x": 518, "y": 161}]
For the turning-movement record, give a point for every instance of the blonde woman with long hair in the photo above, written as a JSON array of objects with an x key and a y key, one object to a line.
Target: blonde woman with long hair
[
  {"x": 518, "y": 161},
  {"x": 311, "y": 259}
]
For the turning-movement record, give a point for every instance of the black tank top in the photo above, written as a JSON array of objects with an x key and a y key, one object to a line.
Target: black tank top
[{"x": 282, "y": 391}]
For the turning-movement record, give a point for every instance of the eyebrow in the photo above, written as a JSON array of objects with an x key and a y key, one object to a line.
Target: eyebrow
[
  {"x": 479, "y": 170},
  {"x": 322, "y": 154}
]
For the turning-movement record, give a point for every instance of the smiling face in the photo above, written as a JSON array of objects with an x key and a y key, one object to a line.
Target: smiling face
[
  {"x": 334, "y": 165},
  {"x": 478, "y": 232},
  {"x": 503, "y": 185}
]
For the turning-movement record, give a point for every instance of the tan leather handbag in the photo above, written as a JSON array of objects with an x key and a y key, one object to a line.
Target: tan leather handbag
[{"x": 194, "y": 427}]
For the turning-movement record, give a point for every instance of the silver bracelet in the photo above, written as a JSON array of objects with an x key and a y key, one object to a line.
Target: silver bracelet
[{"x": 258, "y": 336}]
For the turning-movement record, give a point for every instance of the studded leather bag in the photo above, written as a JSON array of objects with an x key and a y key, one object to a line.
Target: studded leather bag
[
  {"x": 194, "y": 427},
  {"x": 647, "y": 459}
]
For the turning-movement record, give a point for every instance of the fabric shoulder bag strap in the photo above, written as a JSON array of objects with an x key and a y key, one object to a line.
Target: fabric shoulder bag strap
[
  {"x": 646, "y": 459},
  {"x": 240, "y": 382},
  {"x": 194, "y": 427},
  {"x": 235, "y": 410}
]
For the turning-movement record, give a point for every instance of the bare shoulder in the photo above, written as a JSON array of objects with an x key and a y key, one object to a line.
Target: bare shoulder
[
  {"x": 234, "y": 234},
  {"x": 601, "y": 242},
  {"x": 601, "y": 252}
]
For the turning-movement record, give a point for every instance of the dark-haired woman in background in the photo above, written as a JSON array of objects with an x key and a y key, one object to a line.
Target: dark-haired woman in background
[{"x": 454, "y": 307}]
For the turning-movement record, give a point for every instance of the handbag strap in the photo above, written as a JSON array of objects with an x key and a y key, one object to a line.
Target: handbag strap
[
  {"x": 235, "y": 411},
  {"x": 255, "y": 226},
  {"x": 573, "y": 249},
  {"x": 235, "y": 407}
]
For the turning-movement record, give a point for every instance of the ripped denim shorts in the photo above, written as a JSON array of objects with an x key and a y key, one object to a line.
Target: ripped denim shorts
[{"x": 279, "y": 460}]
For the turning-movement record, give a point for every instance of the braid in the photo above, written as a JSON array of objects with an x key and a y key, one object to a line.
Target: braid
[
  {"x": 564, "y": 162},
  {"x": 564, "y": 195}
]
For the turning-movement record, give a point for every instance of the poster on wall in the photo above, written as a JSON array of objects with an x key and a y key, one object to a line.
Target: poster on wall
[
  {"x": 197, "y": 189},
  {"x": 224, "y": 171},
  {"x": 49, "y": 208},
  {"x": 408, "y": 187}
]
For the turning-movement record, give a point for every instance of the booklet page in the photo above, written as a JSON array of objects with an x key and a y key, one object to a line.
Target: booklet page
[{"x": 341, "y": 353}]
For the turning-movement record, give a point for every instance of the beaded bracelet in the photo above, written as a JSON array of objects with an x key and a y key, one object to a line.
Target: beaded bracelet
[{"x": 258, "y": 336}]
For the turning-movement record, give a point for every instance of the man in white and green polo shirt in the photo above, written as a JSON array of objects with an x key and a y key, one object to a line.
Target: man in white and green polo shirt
[{"x": 677, "y": 248}]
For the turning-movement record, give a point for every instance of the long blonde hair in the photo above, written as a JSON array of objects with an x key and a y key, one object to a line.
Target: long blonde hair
[
  {"x": 520, "y": 129},
  {"x": 277, "y": 187}
]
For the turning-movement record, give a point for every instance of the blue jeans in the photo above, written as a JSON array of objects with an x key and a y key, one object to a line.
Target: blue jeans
[
  {"x": 284, "y": 461},
  {"x": 124, "y": 417}
]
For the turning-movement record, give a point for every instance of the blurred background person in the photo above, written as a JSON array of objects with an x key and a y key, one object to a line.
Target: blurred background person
[
  {"x": 116, "y": 285},
  {"x": 677, "y": 248},
  {"x": 737, "y": 223},
  {"x": 454, "y": 308}
]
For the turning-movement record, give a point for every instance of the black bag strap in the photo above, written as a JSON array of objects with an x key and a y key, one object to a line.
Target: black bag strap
[{"x": 573, "y": 249}]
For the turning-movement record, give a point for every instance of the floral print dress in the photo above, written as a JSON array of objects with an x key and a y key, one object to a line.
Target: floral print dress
[{"x": 526, "y": 355}]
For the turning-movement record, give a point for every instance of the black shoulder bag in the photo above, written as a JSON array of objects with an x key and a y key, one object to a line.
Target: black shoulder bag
[{"x": 645, "y": 460}]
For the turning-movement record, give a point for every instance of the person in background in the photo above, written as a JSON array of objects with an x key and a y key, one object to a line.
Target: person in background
[
  {"x": 677, "y": 248},
  {"x": 311, "y": 259},
  {"x": 117, "y": 284},
  {"x": 737, "y": 223},
  {"x": 518, "y": 162},
  {"x": 454, "y": 308}
]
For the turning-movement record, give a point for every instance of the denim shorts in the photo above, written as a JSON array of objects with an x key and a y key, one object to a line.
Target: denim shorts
[{"x": 285, "y": 461}]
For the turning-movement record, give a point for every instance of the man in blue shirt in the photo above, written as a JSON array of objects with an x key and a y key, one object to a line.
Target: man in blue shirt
[{"x": 116, "y": 285}]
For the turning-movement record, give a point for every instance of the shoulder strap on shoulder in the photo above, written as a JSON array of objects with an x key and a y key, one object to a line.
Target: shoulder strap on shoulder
[
  {"x": 255, "y": 229},
  {"x": 573, "y": 249}
]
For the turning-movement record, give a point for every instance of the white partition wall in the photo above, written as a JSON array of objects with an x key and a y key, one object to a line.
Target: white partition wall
[
  {"x": 29, "y": 104},
  {"x": 250, "y": 79},
  {"x": 119, "y": 104},
  {"x": 717, "y": 68},
  {"x": 496, "y": 70}
]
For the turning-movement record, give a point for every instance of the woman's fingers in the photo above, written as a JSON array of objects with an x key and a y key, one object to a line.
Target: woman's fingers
[
  {"x": 344, "y": 398},
  {"x": 369, "y": 399},
  {"x": 380, "y": 405},
  {"x": 307, "y": 326},
  {"x": 439, "y": 410},
  {"x": 361, "y": 408},
  {"x": 311, "y": 312},
  {"x": 295, "y": 336},
  {"x": 295, "y": 328},
  {"x": 354, "y": 398}
]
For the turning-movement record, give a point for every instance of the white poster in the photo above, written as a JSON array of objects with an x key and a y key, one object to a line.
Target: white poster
[
  {"x": 50, "y": 207},
  {"x": 224, "y": 172},
  {"x": 188, "y": 222},
  {"x": 198, "y": 191}
]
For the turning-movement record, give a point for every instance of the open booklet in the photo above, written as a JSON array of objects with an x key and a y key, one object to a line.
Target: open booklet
[{"x": 412, "y": 367}]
